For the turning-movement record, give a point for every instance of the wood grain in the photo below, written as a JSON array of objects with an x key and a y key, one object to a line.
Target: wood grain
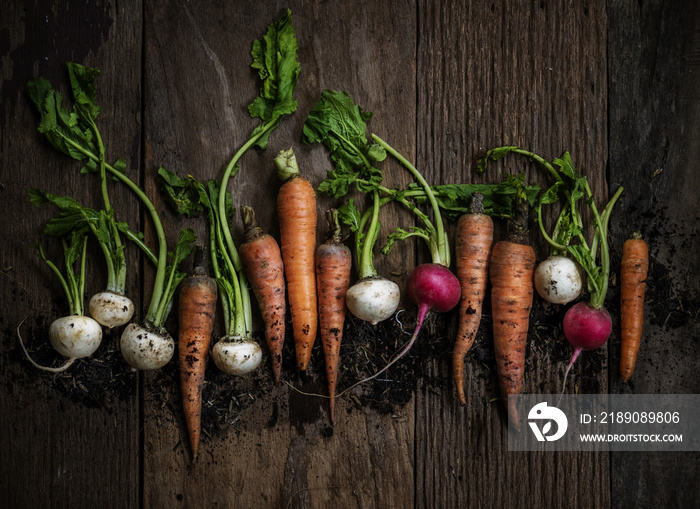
[
  {"x": 61, "y": 453},
  {"x": 654, "y": 126},
  {"x": 614, "y": 83}
]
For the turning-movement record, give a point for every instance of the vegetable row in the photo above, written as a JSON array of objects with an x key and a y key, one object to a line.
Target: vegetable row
[{"x": 314, "y": 284}]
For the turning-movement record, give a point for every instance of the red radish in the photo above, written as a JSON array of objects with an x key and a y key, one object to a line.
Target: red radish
[{"x": 586, "y": 328}]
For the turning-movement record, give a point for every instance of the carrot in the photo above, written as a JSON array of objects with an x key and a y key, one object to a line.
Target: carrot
[
  {"x": 262, "y": 261},
  {"x": 511, "y": 272},
  {"x": 333, "y": 264},
  {"x": 473, "y": 241},
  {"x": 196, "y": 309},
  {"x": 296, "y": 210},
  {"x": 633, "y": 274}
]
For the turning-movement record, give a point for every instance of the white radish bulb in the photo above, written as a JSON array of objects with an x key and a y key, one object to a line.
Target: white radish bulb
[
  {"x": 558, "y": 280},
  {"x": 145, "y": 349},
  {"x": 111, "y": 309},
  {"x": 236, "y": 356},
  {"x": 75, "y": 336},
  {"x": 373, "y": 299}
]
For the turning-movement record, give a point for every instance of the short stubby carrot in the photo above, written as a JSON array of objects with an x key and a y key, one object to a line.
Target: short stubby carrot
[
  {"x": 473, "y": 240},
  {"x": 633, "y": 275},
  {"x": 512, "y": 268},
  {"x": 196, "y": 310},
  {"x": 262, "y": 262},
  {"x": 333, "y": 266},
  {"x": 296, "y": 209}
]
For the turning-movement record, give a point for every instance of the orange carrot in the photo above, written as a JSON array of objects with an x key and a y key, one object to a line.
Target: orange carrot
[
  {"x": 633, "y": 275},
  {"x": 296, "y": 210},
  {"x": 511, "y": 272},
  {"x": 472, "y": 246},
  {"x": 333, "y": 265},
  {"x": 196, "y": 309},
  {"x": 262, "y": 261}
]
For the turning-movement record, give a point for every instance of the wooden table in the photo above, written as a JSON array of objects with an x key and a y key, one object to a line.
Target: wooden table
[{"x": 617, "y": 84}]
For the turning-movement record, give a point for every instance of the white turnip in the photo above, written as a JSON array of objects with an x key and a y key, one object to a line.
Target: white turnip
[
  {"x": 74, "y": 336},
  {"x": 237, "y": 356},
  {"x": 373, "y": 299},
  {"x": 558, "y": 280},
  {"x": 111, "y": 309},
  {"x": 146, "y": 349}
]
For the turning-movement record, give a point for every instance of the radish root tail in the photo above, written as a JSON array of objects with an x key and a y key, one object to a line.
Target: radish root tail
[
  {"x": 59, "y": 369},
  {"x": 566, "y": 373}
]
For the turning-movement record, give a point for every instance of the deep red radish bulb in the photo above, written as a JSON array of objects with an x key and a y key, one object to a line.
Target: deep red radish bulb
[
  {"x": 586, "y": 328},
  {"x": 433, "y": 286}
]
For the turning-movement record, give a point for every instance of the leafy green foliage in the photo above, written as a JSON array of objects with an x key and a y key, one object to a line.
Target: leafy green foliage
[
  {"x": 275, "y": 59},
  {"x": 340, "y": 124},
  {"x": 455, "y": 199}
]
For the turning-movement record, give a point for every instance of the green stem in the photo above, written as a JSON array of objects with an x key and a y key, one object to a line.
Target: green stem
[
  {"x": 146, "y": 250},
  {"x": 598, "y": 298},
  {"x": 556, "y": 247},
  {"x": 81, "y": 293},
  {"x": 162, "y": 245},
  {"x": 365, "y": 254},
  {"x": 222, "y": 193},
  {"x": 442, "y": 252},
  {"x": 62, "y": 280},
  {"x": 117, "y": 281}
]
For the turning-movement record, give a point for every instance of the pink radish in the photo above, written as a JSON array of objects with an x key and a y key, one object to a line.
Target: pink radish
[{"x": 586, "y": 328}]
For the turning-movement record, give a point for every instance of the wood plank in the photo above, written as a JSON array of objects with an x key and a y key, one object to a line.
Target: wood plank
[
  {"x": 279, "y": 451},
  {"x": 654, "y": 124},
  {"x": 489, "y": 74},
  {"x": 64, "y": 449}
]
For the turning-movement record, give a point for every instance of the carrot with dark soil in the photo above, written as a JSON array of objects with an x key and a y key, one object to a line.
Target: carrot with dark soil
[
  {"x": 333, "y": 265},
  {"x": 473, "y": 241},
  {"x": 262, "y": 262},
  {"x": 296, "y": 209},
  {"x": 633, "y": 275},
  {"x": 196, "y": 310},
  {"x": 512, "y": 267}
]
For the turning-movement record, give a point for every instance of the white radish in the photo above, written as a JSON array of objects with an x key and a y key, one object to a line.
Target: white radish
[
  {"x": 146, "y": 349},
  {"x": 558, "y": 280},
  {"x": 236, "y": 356},
  {"x": 373, "y": 299},
  {"x": 111, "y": 309},
  {"x": 75, "y": 336}
]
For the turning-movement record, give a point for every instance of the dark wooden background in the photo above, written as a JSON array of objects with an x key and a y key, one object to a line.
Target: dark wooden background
[{"x": 617, "y": 84}]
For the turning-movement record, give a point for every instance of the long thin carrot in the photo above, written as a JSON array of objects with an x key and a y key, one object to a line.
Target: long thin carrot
[
  {"x": 473, "y": 241},
  {"x": 196, "y": 310},
  {"x": 333, "y": 265},
  {"x": 633, "y": 275},
  {"x": 511, "y": 272},
  {"x": 296, "y": 210},
  {"x": 262, "y": 262}
]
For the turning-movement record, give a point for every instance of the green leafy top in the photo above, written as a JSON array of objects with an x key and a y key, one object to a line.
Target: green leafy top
[
  {"x": 567, "y": 236},
  {"x": 275, "y": 59}
]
